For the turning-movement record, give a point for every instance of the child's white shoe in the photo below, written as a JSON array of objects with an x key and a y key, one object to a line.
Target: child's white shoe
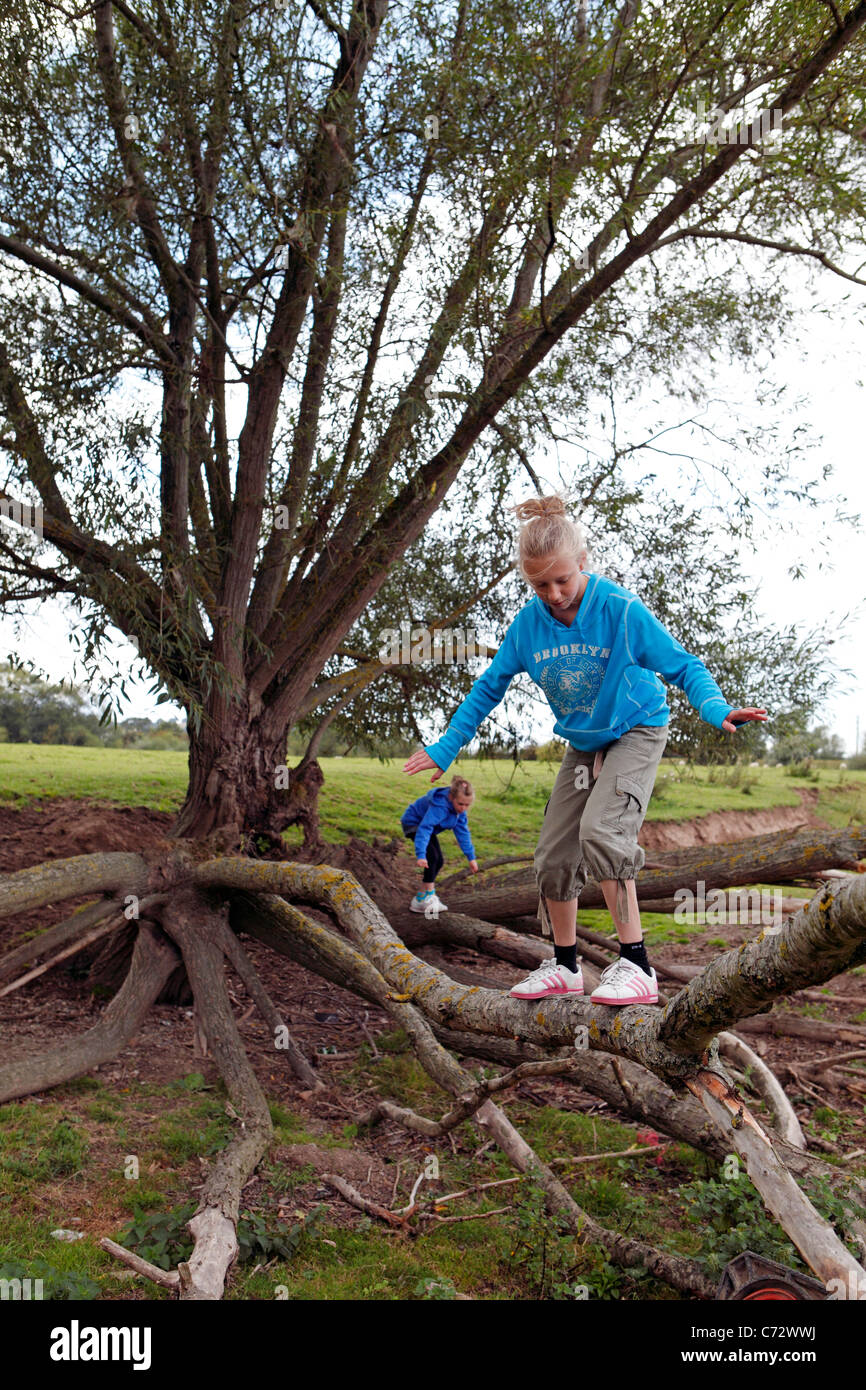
[
  {"x": 549, "y": 978},
  {"x": 428, "y": 903},
  {"x": 623, "y": 982}
]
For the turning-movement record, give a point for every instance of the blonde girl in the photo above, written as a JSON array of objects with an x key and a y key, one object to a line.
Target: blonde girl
[{"x": 595, "y": 650}]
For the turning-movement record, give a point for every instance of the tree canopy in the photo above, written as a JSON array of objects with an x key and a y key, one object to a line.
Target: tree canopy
[{"x": 279, "y": 280}]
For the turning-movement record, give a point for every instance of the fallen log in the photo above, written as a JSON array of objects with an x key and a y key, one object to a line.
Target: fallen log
[
  {"x": 790, "y": 1026},
  {"x": 776, "y": 858}
]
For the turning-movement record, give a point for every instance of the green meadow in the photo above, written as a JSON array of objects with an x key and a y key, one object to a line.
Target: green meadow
[{"x": 365, "y": 797}]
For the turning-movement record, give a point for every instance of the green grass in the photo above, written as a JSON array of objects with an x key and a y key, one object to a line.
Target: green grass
[
  {"x": 62, "y": 1165},
  {"x": 365, "y": 798}
]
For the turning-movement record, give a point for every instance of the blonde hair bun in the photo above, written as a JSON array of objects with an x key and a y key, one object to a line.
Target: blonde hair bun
[
  {"x": 540, "y": 506},
  {"x": 546, "y": 529}
]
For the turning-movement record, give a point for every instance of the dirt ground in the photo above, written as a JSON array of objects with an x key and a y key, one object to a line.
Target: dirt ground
[{"x": 322, "y": 1017}]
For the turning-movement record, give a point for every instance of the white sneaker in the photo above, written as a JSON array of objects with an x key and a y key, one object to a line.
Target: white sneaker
[
  {"x": 549, "y": 978},
  {"x": 625, "y": 983},
  {"x": 430, "y": 904}
]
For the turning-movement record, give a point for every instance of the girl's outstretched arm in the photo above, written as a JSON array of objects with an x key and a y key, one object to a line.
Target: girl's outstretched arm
[{"x": 484, "y": 696}]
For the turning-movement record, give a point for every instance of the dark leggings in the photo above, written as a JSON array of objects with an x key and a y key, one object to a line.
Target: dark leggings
[{"x": 435, "y": 859}]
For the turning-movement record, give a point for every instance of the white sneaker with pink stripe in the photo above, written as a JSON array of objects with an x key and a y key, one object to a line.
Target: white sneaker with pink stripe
[
  {"x": 549, "y": 979},
  {"x": 625, "y": 983}
]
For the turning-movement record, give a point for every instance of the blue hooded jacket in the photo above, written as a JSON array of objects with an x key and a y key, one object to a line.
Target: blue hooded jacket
[
  {"x": 431, "y": 813},
  {"x": 598, "y": 674}
]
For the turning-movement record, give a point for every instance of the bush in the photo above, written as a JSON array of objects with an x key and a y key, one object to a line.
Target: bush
[
  {"x": 802, "y": 769},
  {"x": 551, "y": 752}
]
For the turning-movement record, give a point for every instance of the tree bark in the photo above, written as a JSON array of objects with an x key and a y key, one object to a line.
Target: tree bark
[
  {"x": 153, "y": 960},
  {"x": 240, "y": 781}
]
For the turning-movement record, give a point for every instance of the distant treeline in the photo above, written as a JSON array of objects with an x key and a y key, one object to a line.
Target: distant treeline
[{"x": 32, "y": 711}]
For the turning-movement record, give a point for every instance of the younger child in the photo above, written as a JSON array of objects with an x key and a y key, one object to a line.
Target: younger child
[
  {"x": 441, "y": 809},
  {"x": 594, "y": 649}
]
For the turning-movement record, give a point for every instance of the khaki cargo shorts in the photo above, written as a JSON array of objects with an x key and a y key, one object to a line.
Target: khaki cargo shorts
[{"x": 592, "y": 819}]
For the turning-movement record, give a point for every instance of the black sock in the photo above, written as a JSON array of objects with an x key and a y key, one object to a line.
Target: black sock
[
  {"x": 635, "y": 951},
  {"x": 567, "y": 956}
]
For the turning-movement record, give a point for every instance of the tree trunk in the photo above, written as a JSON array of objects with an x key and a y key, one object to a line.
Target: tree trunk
[{"x": 240, "y": 784}]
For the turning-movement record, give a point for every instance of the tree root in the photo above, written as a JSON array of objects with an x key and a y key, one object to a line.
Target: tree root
[
  {"x": 70, "y": 878},
  {"x": 284, "y": 927},
  {"x": 72, "y": 929},
  {"x": 153, "y": 960},
  {"x": 214, "y": 1225},
  {"x": 249, "y": 976},
  {"x": 627, "y": 1044}
]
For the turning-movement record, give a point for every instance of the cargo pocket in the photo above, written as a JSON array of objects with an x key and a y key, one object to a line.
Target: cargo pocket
[{"x": 627, "y": 816}]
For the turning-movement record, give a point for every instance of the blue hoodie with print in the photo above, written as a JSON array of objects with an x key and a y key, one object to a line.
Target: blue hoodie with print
[{"x": 598, "y": 674}]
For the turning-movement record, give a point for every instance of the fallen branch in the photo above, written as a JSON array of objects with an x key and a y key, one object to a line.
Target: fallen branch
[
  {"x": 487, "y": 864},
  {"x": 814, "y": 1237},
  {"x": 466, "y": 1104},
  {"x": 81, "y": 941},
  {"x": 777, "y": 858},
  {"x": 73, "y": 927},
  {"x": 396, "y": 1221},
  {"x": 168, "y": 1279},
  {"x": 792, "y": 1026},
  {"x": 827, "y": 1063},
  {"x": 768, "y": 1087}
]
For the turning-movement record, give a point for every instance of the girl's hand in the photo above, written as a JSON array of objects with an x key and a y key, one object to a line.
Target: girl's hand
[
  {"x": 473, "y": 864},
  {"x": 744, "y": 716},
  {"x": 420, "y": 762},
  {"x": 422, "y": 863}
]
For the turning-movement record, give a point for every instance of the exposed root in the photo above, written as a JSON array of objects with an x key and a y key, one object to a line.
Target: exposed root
[
  {"x": 81, "y": 941},
  {"x": 214, "y": 1226},
  {"x": 330, "y": 955},
  {"x": 70, "y": 878},
  {"x": 247, "y": 972},
  {"x": 153, "y": 960},
  {"x": 74, "y": 927}
]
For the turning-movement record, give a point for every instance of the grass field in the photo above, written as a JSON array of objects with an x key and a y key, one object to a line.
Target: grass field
[{"x": 365, "y": 797}]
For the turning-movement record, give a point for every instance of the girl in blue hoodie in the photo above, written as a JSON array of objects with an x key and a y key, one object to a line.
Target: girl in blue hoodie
[
  {"x": 594, "y": 649},
  {"x": 422, "y": 821}
]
